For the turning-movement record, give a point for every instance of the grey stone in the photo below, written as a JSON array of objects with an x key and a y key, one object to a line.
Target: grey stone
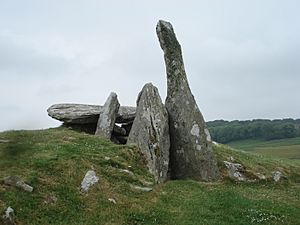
[
  {"x": 277, "y": 175},
  {"x": 119, "y": 130},
  {"x": 87, "y": 114},
  {"x": 150, "y": 131},
  {"x": 108, "y": 116},
  {"x": 127, "y": 127},
  {"x": 260, "y": 176},
  {"x": 8, "y": 217},
  {"x": 235, "y": 171},
  {"x": 4, "y": 141},
  {"x": 89, "y": 180},
  {"x": 191, "y": 152},
  {"x": 17, "y": 182}
]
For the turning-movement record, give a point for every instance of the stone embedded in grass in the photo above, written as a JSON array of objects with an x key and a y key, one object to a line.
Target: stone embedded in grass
[
  {"x": 150, "y": 132},
  {"x": 17, "y": 182},
  {"x": 235, "y": 171},
  {"x": 8, "y": 217},
  {"x": 89, "y": 180},
  {"x": 260, "y": 176},
  {"x": 277, "y": 176}
]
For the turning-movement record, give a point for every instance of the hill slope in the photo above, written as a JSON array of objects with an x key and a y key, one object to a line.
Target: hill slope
[
  {"x": 282, "y": 148},
  {"x": 54, "y": 161}
]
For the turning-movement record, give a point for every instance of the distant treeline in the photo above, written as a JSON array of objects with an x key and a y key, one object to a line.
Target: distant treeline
[{"x": 226, "y": 131}]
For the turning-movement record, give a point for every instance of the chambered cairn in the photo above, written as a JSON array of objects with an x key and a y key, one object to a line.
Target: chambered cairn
[{"x": 173, "y": 138}]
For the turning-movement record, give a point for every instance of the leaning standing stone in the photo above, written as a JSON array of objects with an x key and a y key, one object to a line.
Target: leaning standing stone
[
  {"x": 191, "y": 147},
  {"x": 150, "y": 131},
  {"x": 108, "y": 116}
]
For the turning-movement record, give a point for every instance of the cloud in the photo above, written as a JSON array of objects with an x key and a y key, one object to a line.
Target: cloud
[
  {"x": 21, "y": 60},
  {"x": 241, "y": 57}
]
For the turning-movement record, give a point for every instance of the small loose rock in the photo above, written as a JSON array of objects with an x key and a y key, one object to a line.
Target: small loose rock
[
  {"x": 89, "y": 180},
  {"x": 260, "y": 176},
  {"x": 17, "y": 182},
  {"x": 276, "y": 175},
  {"x": 235, "y": 171},
  {"x": 8, "y": 217}
]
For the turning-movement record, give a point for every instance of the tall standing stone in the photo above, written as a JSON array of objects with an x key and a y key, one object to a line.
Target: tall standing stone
[
  {"x": 191, "y": 151},
  {"x": 108, "y": 116},
  {"x": 150, "y": 131}
]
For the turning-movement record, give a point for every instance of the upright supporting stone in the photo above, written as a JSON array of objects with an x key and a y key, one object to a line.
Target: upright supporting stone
[
  {"x": 150, "y": 131},
  {"x": 191, "y": 151},
  {"x": 108, "y": 116}
]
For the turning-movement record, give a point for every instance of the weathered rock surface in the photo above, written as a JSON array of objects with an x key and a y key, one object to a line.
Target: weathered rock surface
[
  {"x": 17, "y": 182},
  {"x": 277, "y": 176},
  {"x": 119, "y": 130},
  {"x": 150, "y": 131},
  {"x": 8, "y": 217},
  {"x": 89, "y": 180},
  {"x": 191, "y": 151},
  {"x": 127, "y": 127},
  {"x": 235, "y": 171},
  {"x": 108, "y": 116},
  {"x": 87, "y": 114}
]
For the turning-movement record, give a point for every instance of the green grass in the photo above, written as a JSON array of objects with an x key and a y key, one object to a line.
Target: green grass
[
  {"x": 282, "y": 148},
  {"x": 54, "y": 161}
]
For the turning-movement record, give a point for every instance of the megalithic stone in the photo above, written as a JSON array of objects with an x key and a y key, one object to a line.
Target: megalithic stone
[
  {"x": 191, "y": 153},
  {"x": 150, "y": 131},
  {"x": 108, "y": 116}
]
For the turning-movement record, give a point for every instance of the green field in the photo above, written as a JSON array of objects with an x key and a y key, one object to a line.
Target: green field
[
  {"x": 282, "y": 148},
  {"x": 54, "y": 161}
]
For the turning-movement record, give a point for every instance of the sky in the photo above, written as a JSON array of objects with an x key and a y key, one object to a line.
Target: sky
[{"x": 242, "y": 57}]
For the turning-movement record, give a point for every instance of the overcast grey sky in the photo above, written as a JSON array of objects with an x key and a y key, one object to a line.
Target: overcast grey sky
[{"x": 242, "y": 57}]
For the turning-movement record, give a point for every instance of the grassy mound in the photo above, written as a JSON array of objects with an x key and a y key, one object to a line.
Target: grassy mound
[{"x": 54, "y": 161}]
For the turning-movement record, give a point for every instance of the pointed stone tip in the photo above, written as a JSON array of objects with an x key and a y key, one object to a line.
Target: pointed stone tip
[
  {"x": 113, "y": 94},
  {"x": 166, "y": 36},
  {"x": 164, "y": 24},
  {"x": 148, "y": 84}
]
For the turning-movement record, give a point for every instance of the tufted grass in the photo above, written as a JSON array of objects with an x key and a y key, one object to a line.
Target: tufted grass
[{"x": 54, "y": 161}]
